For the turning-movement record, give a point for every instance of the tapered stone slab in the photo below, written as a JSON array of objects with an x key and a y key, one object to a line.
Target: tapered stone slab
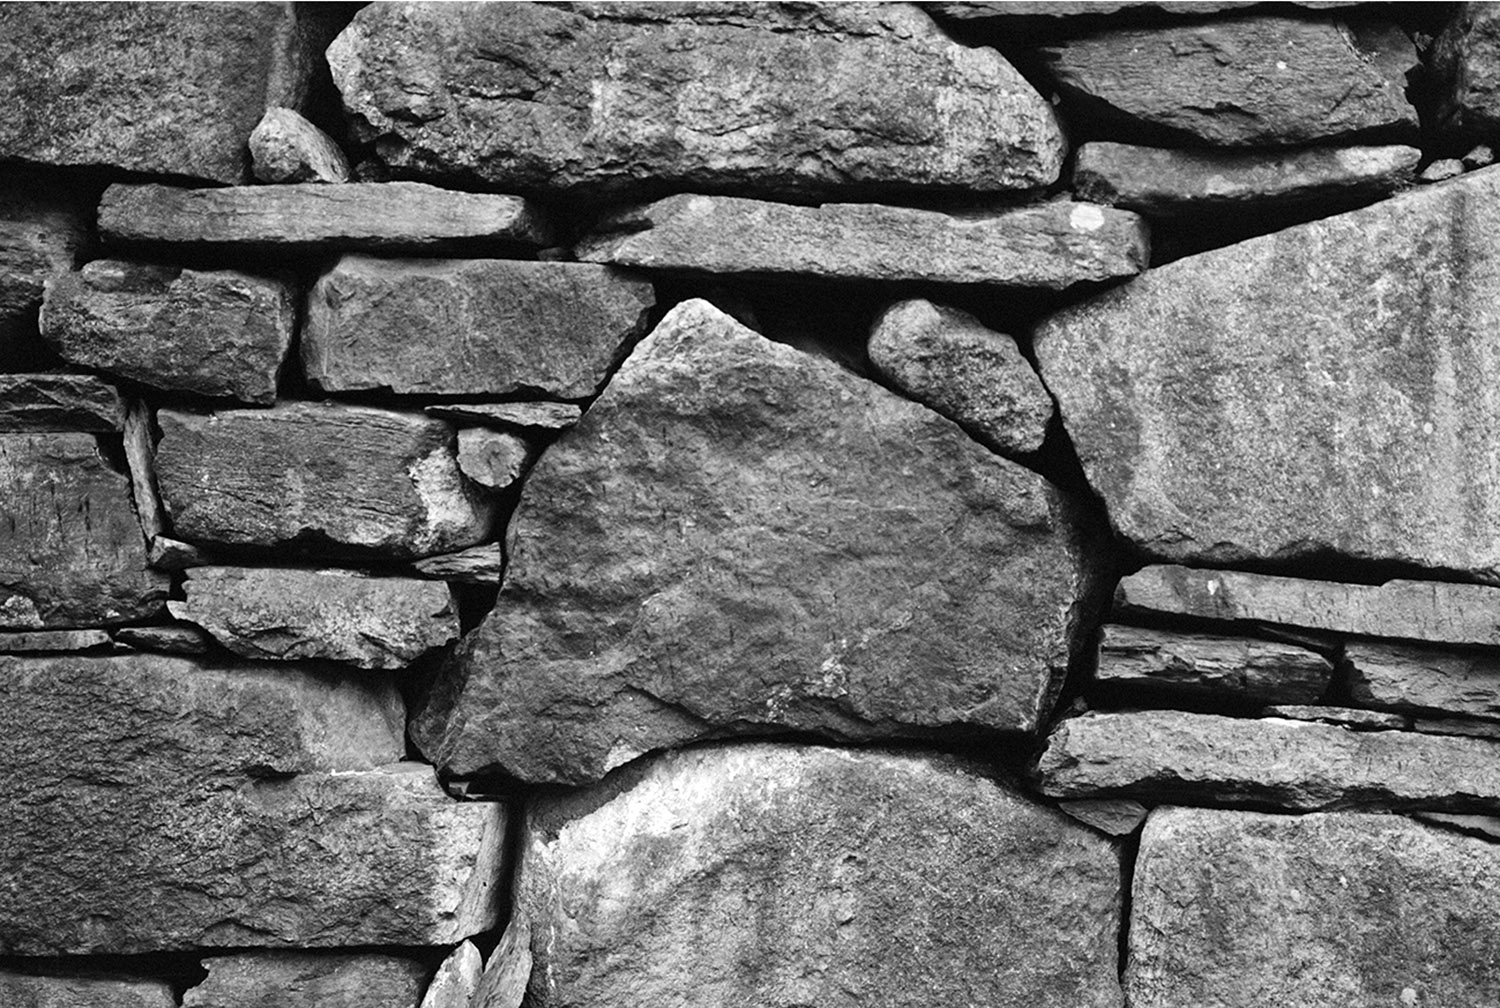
[
  {"x": 507, "y": 974},
  {"x": 538, "y": 416},
  {"x": 455, "y": 981},
  {"x": 481, "y": 564},
  {"x": 43, "y": 228},
  {"x": 26, "y": 991},
  {"x": 1209, "y": 667},
  {"x": 1337, "y": 910},
  {"x": 307, "y": 980},
  {"x": 1050, "y": 245},
  {"x": 768, "y": 875},
  {"x": 171, "y": 638},
  {"x": 1348, "y": 717},
  {"x": 1423, "y": 679},
  {"x": 1003, "y": 10},
  {"x": 1210, "y": 399},
  {"x": 489, "y": 326},
  {"x": 742, "y": 537},
  {"x": 32, "y": 641},
  {"x": 36, "y": 403}
]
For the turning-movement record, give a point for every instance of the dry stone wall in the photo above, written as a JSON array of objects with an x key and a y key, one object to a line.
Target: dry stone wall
[{"x": 610, "y": 504}]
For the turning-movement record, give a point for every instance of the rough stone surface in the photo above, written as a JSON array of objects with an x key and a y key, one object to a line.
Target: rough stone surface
[
  {"x": 1050, "y": 245},
  {"x": 975, "y": 376},
  {"x": 1484, "y": 826},
  {"x": 456, "y": 979},
  {"x": 138, "y": 438},
  {"x": 216, "y": 333},
  {"x": 1205, "y": 666},
  {"x": 306, "y": 980},
  {"x": 1116, "y": 817},
  {"x": 289, "y": 615},
  {"x": 166, "y": 553},
  {"x": 1338, "y": 910},
  {"x": 331, "y": 478},
  {"x": 718, "y": 876},
  {"x": 1465, "y": 62},
  {"x": 71, "y": 551},
  {"x": 492, "y": 459},
  {"x": 285, "y": 147},
  {"x": 1348, "y": 717},
  {"x": 43, "y": 229},
  {"x": 739, "y": 536},
  {"x": 389, "y": 216},
  {"x": 35, "y": 403},
  {"x": 1426, "y": 680},
  {"x": 27, "y": 641},
  {"x": 24, "y": 991},
  {"x": 508, "y": 973},
  {"x": 476, "y": 565},
  {"x": 1240, "y": 81},
  {"x": 176, "y": 638},
  {"x": 489, "y": 326},
  {"x": 1441, "y": 170},
  {"x": 967, "y": 10},
  {"x": 542, "y": 416},
  {"x": 769, "y": 99},
  {"x": 1166, "y": 183},
  {"x": 1471, "y": 727},
  {"x": 1212, "y": 400}
]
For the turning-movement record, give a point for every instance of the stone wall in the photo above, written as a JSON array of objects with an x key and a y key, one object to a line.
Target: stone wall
[{"x": 782, "y": 505}]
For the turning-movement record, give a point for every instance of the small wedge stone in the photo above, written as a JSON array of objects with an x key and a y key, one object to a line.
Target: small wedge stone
[
  {"x": 475, "y": 565},
  {"x": 456, "y": 980},
  {"x": 285, "y": 147},
  {"x": 38, "y": 403},
  {"x": 492, "y": 459}
]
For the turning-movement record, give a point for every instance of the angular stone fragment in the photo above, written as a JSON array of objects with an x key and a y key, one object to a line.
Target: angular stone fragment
[
  {"x": 1117, "y": 817},
  {"x": 1176, "y": 756},
  {"x": 216, "y": 333},
  {"x": 742, "y": 537},
  {"x": 1338, "y": 910},
  {"x": 1241, "y": 81},
  {"x": 71, "y": 550},
  {"x": 1470, "y": 727},
  {"x": 475, "y": 565},
  {"x": 766, "y": 875},
  {"x": 1423, "y": 679},
  {"x": 139, "y": 441},
  {"x": 757, "y": 98},
  {"x": 285, "y": 147},
  {"x": 1208, "y": 667},
  {"x": 1348, "y": 717},
  {"x": 490, "y": 458},
  {"x": 43, "y": 228},
  {"x": 975, "y": 376},
  {"x": 1051, "y": 245},
  {"x": 488, "y": 326},
  {"x": 1465, "y": 61},
  {"x": 1479, "y": 156},
  {"x": 22, "y": 990},
  {"x": 1441, "y": 170},
  {"x": 456, "y": 980},
  {"x": 510, "y": 416},
  {"x": 508, "y": 973},
  {"x": 1211, "y": 399},
  {"x": 36, "y": 403},
  {"x": 386, "y": 216},
  {"x": 165, "y": 553},
  {"x": 290, "y": 615},
  {"x": 1482, "y": 826},
  {"x": 27, "y": 641},
  {"x": 177, "y": 638},
  {"x": 307, "y": 980},
  {"x": 1167, "y": 183},
  {"x": 334, "y": 478}
]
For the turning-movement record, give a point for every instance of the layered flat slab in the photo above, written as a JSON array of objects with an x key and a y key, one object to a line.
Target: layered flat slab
[
  {"x": 1424, "y": 680},
  {"x": 35, "y": 403},
  {"x": 308, "y": 980},
  {"x": 30, "y": 991},
  {"x": 1210, "y": 667}
]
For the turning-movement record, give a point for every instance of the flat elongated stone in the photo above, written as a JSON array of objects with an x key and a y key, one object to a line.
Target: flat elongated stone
[
  {"x": 489, "y": 326},
  {"x": 290, "y": 615},
  {"x": 26, "y": 991},
  {"x": 510, "y": 416},
  {"x": 175, "y": 638},
  {"x": 739, "y": 536},
  {"x": 776, "y": 875},
  {"x": 308, "y": 980},
  {"x": 28, "y": 641},
  {"x": 1205, "y": 666},
  {"x": 1465, "y": 61},
  {"x": 1051, "y": 245},
  {"x": 1303, "y": 765},
  {"x": 335, "y": 478},
  {"x": 1240, "y": 81},
  {"x": 456, "y": 979},
  {"x": 35, "y": 403},
  {"x": 71, "y": 551},
  {"x": 1348, "y": 717},
  {"x": 307, "y": 217},
  {"x": 752, "y": 98},
  {"x": 1336, "y": 910},
  {"x": 1481, "y": 826},
  {"x": 1423, "y": 679},
  {"x": 43, "y": 228},
  {"x": 476, "y": 565},
  {"x": 1470, "y": 727},
  {"x": 1211, "y": 399},
  {"x": 285, "y": 147},
  {"x": 215, "y": 333}
]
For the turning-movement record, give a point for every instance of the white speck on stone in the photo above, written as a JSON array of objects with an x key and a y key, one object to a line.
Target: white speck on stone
[
  {"x": 1213, "y": 587},
  {"x": 1427, "y": 428},
  {"x": 1086, "y": 217},
  {"x": 1409, "y": 996},
  {"x": 1281, "y": 64}
]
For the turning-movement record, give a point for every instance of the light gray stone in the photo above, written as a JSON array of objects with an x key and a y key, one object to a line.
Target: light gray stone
[
  {"x": 541, "y": 416},
  {"x": 1206, "y": 666},
  {"x": 166, "y": 553},
  {"x": 285, "y": 147},
  {"x": 493, "y": 459},
  {"x": 508, "y": 973},
  {"x": 43, "y": 229},
  {"x": 1002, "y": 10},
  {"x": 139, "y": 441},
  {"x": 1114, "y": 816},
  {"x": 456, "y": 980},
  {"x": 1426, "y": 680},
  {"x": 476, "y": 565},
  {"x": 308, "y": 980},
  {"x": 1482, "y": 826},
  {"x": 1480, "y": 156},
  {"x": 1348, "y": 717},
  {"x": 1441, "y": 170},
  {"x": 23, "y": 990},
  {"x": 42, "y": 403},
  {"x": 26, "y": 641}
]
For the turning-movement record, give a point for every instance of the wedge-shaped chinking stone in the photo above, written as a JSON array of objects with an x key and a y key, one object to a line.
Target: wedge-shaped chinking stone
[
  {"x": 1321, "y": 390},
  {"x": 771, "y": 875},
  {"x": 308, "y": 980},
  {"x": 740, "y": 536},
  {"x": 1204, "y": 666},
  {"x": 487, "y": 326},
  {"x": 55, "y": 402},
  {"x": 1049, "y": 245},
  {"x": 338, "y": 479},
  {"x": 1331, "y": 910},
  {"x": 754, "y": 98},
  {"x": 36, "y": 991}
]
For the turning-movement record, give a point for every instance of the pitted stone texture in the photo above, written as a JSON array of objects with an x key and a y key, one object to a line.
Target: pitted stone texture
[
  {"x": 22, "y": 990},
  {"x": 1465, "y": 61},
  {"x": 746, "y": 98},
  {"x": 339, "y": 616},
  {"x": 1050, "y": 246},
  {"x": 1211, "y": 400},
  {"x": 488, "y": 326},
  {"x": 742, "y": 537},
  {"x": 285, "y": 147},
  {"x": 308, "y": 980},
  {"x": 43, "y": 228},
  {"x": 1242, "y": 81},
  {"x": 1425, "y": 680},
  {"x": 1336, "y": 910},
  {"x": 767, "y": 875},
  {"x": 1209, "y": 667},
  {"x": 218, "y": 333},
  {"x": 492, "y": 459},
  {"x": 337, "y": 479},
  {"x": 45, "y": 403}
]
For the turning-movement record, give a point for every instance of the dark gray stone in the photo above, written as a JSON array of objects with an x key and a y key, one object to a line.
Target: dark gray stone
[
  {"x": 43, "y": 229},
  {"x": 176, "y": 638},
  {"x": 1011, "y": 10},
  {"x": 22, "y": 990},
  {"x": 43, "y": 403},
  {"x": 1426, "y": 680},
  {"x": 308, "y": 980},
  {"x": 285, "y": 147},
  {"x": 1207, "y": 667},
  {"x": 476, "y": 565},
  {"x": 539, "y": 416},
  {"x": 1465, "y": 62},
  {"x": 1112, "y": 816}
]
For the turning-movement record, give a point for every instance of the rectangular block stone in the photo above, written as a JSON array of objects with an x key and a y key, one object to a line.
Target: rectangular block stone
[
  {"x": 23, "y": 990},
  {"x": 1424, "y": 680},
  {"x": 1204, "y": 666},
  {"x": 37, "y": 403},
  {"x": 308, "y": 980}
]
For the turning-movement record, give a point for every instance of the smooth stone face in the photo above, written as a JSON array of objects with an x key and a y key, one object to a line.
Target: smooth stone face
[
  {"x": 1210, "y": 399},
  {"x": 385, "y": 216},
  {"x": 28, "y": 641},
  {"x": 1050, "y": 246},
  {"x": 476, "y": 565},
  {"x": 1465, "y": 60},
  {"x": 1423, "y": 680},
  {"x": 289, "y": 615},
  {"x": 752, "y": 98},
  {"x": 177, "y": 638},
  {"x": 1348, "y": 717},
  {"x": 739, "y": 536},
  {"x": 489, "y": 326},
  {"x": 1337, "y": 910},
  {"x": 25, "y": 991},
  {"x": 764, "y": 875},
  {"x": 285, "y": 147},
  {"x": 43, "y": 229},
  {"x": 337, "y": 479},
  {"x": 215, "y": 333},
  {"x": 456, "y": 979},
  {"x": 43, "y": 403},
  {"x": 71, "y": 551},
  {"x": 545, "y": 416},
  {"x": 306, "y": 980},
  {"x": 1289, "y": 82},
  {"x": 975, "y": 376},
  {"x": 492, "y": 459},
  {"x": 1207, "y": 667}
]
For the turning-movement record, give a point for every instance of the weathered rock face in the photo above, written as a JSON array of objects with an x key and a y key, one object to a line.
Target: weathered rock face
[
  {"x": 42, "y": 229},
  {"x": 217, "y": 333},
  {"x": 508, "y": 973},
  {"x": 492, "y": 459},
  {"x": 535, "y": 416},
  {"x": 766, "y": 98},
  {"x": 1010, "y": 10},
  {"x": 334, "y": 478},
  {"x": 1287, "y": 81},
  {"x": 1424, "y": 679},
  {"x": 1050, "y": 245},
  {"x": 738, "y": 536},
  {"x": 489, "y": 326},
  {"x": 1211, "y": 399},
  {"x": 1466, "y": 64},
  {"x": 289, "y": 615},
  {"x": 71, "y": 551},
  {"x": 1338, "y": 910},
  {"x": 1204, "y": 666},
  {"x": 285, "y": 147},
  {"x": 1348, "y": 717},
  {"x": 476, "y": 565},
  {"x": 303, "y": 980},
  {"x": 456, "y": 979},
  {"x": 27, "y": 991},
  {"x": 171, "y": 90},
  {"x": 34, "y": 403},
  {"x": 945, "y": 359},
  {"x": 717, "y": 876}
]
